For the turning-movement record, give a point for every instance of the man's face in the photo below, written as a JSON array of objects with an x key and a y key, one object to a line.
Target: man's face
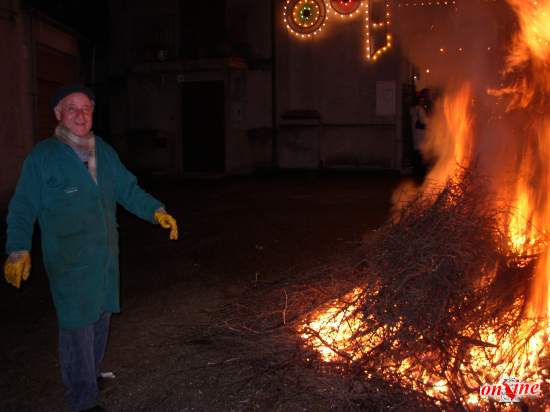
[{"x": 75, "y": 113}]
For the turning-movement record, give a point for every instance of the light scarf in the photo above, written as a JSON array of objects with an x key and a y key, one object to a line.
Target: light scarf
[{"x": 84, "y": 147}]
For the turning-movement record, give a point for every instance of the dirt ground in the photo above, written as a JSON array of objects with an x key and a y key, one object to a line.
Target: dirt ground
[{"x": 233, "y": 232}]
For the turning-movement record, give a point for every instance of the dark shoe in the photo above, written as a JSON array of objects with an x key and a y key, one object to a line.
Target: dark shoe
[
  {"x": 104, "y": 382},
  {"x": 101, "y": 384}
]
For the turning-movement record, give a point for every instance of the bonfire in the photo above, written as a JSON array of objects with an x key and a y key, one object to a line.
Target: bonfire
[
  {"x": 446, "y": 306},
  {"x": 456, "y": 287}
]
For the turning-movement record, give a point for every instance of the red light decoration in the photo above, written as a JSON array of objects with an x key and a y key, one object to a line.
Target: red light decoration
[
  {"x": 345, "y": 7},
  {"x": 306, "y": 18}
]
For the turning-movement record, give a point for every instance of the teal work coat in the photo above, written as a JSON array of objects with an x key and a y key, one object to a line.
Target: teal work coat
[{"x": 77, "y": 219}]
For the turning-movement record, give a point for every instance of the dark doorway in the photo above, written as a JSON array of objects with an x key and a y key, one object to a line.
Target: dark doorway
[{"x": 203, "y": 127}]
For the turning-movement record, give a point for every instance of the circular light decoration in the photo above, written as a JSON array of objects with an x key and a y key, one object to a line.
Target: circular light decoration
[
  {"x": 345, "y": 7},
  {"x": 305, "y": 18}
]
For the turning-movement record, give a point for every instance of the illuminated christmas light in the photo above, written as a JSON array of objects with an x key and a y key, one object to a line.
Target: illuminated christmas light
[
  {"x": 374, "y": 52},
  {"x": 345, "y": 8},
  {"x": 305, "y": 18},
  {"x": 426, "y": 4}
]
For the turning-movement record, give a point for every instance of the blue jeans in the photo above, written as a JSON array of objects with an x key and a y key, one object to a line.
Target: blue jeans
[{"x": 80, "y": 354}]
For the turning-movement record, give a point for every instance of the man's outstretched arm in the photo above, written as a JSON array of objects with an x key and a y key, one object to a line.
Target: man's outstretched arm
[{"x": 136, "y": 200}]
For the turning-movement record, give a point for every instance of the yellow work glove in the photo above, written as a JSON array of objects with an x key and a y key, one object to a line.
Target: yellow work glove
[
  {"x": 17, "y": 267},
  {"x": 167, "y": 222}
]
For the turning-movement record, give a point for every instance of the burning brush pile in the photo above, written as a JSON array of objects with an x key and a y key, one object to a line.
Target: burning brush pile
[
  {"x": 447, "y": 306},
  {"x": 452, "y": 300},
  {"x": 433, "y": 307},
  {"x": 442, "y": 309}
]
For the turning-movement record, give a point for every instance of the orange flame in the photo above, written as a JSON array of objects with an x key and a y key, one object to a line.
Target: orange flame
[
  {"x": 450, "y": 140},
  {"x": 450, "y": 136},
  {"x": 531, "y": 44}
]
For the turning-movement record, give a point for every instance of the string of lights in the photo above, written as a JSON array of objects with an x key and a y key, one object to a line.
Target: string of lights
[
  {"x": 426, "y": 3},
  {"x": 307, "y": 18},
  {"x": 373, "y": 52}
]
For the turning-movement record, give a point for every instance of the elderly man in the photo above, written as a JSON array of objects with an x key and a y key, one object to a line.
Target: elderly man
[{"x": 72, "y": 183}]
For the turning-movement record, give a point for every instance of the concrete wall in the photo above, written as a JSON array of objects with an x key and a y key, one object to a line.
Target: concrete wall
[
  {"x": 146, "y": 93},
  {"x": 16, "y": 138},
  {"x": 138, "y": 29},
  {"x": 145, "y": 106},
  {"x": 154, "y": 106},
  {"x": 330, "y": 75},
  {"x": 21, "y": 35},
  {"x": 249, "y": 24},
  {"x": 248, "y": 135}
]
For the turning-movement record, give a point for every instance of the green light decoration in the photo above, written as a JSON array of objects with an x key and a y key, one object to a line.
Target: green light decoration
[
  {"x": 305, "y": 14},
  {"x": 305, "y": 18}
]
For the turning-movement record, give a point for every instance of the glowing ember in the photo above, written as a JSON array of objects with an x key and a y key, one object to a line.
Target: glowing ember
[
  {"x": 332, "y": 328},
  {"x": 331, "y": 331}
]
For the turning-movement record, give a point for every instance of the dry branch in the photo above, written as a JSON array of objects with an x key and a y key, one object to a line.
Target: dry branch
[{"x": 432, "y": 282}]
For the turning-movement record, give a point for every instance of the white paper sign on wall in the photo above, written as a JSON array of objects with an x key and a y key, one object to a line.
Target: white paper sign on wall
[{"x": 385, "y": 98}]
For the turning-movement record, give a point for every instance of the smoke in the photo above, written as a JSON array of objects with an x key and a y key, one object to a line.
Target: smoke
[
  {"x": 453, "y": 43},
  {"x": 465, "y": 43},
  {"x": 490, "y": 60}
]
